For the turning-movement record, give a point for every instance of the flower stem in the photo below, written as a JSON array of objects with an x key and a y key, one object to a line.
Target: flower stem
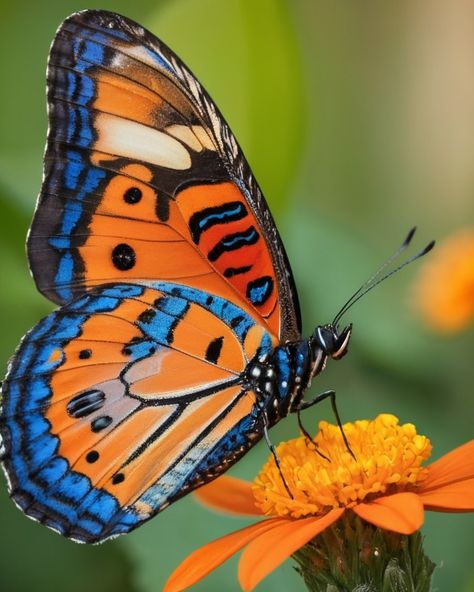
[{"x": 354, "y": 556}]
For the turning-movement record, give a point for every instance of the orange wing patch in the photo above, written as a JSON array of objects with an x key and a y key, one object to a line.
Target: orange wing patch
[
  {"x": 170, "y": 373},
  {"x": 217, "y": 413},
  {"x": 137, "y": 234},
  {"x": 102, "y": 456},
  {"x": 206, "y": 238},
  {"x": 227, "y": 232},
  {"x": 118, "y": 95}
]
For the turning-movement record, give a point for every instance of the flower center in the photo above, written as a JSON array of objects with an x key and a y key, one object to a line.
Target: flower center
[{"x": 388, "y": 459}]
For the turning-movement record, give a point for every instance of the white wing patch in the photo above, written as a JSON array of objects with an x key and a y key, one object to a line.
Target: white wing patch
[
  {"x": 136, "y": 141},
  {"x": 184, "y": 134}
]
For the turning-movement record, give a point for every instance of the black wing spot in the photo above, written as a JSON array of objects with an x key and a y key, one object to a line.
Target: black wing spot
[
  {"x": 147, "y": 316},
  {"x": 86, "y": 403},
  {"x": 92, "y": 456},
  {"x": 100, "y": 423},
  {"x": 123, "y": 257},
  {"x": 235, "y": 322},
  {"x": 85, "y": 354},
  {"x": 213, "y": 350},
  {"x": 118, "y": 478},
  {"x": 133, "y": 195},
  {"x": 231, "y": 271}
]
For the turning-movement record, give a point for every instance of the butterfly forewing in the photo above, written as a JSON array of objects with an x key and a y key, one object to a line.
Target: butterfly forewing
[{"x": 144, "y": 181}]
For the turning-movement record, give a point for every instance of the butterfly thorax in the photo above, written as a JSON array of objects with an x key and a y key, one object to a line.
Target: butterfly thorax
[{"x": 280, "y": 379}]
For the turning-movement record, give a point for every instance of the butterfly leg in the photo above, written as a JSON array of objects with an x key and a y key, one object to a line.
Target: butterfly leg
[
  {"x": 309, "y": 439},
  {"x": 274, "y": 452},
  {"x": 306, "y": 404}
]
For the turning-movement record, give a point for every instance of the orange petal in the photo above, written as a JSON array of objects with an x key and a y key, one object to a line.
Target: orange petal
[
  {"x": 455, "y": 497},
  {"x": 230, "y": 495},
  {"x": 457, "y": 465},
  {"x": 205, "y": 559},
  {"x": 266, "y": 552},
  {"x": 401, "y": 512}
]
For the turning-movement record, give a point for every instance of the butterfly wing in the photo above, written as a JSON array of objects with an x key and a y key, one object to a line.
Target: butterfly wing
[
  {"x": 124, "y": 400},
  {"x": 143, "y": 180}
]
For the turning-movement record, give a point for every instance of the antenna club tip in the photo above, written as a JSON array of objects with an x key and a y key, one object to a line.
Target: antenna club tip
[
  {"x": 429, "y": 247},
  {"x": 409, "y": 237}
]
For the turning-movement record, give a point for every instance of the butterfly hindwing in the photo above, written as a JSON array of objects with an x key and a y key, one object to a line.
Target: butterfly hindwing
[
  {"x": 124, "y": 400},
  {"x": 144, "y": 180}
]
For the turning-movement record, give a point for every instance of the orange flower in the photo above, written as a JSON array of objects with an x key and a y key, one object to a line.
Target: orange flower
[
  {"x": 386, "y": 486},
  {"x": 444, "y": 293}
]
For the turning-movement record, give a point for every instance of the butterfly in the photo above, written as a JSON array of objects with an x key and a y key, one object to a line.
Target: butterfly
[{"x": 177, "y": 342}]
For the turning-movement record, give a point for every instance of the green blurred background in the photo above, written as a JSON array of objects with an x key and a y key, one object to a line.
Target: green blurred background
[{"x": 358, "y": 121}]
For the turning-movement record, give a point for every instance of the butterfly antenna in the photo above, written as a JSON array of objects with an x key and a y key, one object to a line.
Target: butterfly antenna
[
  {"x": 423, "y": 252},
  {"x": 375, "y": 279},
  {"x": 374, "y": 276}
]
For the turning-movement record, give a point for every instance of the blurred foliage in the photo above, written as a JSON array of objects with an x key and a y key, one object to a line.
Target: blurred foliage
[{"x": 357, "y": 119}]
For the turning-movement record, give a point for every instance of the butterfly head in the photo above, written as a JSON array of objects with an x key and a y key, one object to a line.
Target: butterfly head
[{"x": 330, "y": 341}]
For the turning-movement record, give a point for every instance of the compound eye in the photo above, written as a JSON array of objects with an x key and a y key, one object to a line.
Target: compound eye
[{"x": 325, "y": 339}]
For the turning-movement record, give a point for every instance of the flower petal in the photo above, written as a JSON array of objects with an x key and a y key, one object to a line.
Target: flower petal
[
  {"x": 230, "y": 495},
  {"x": 266, "y": 552},
  {"x": 205, "y": 559},
  {"x": 455, "y": 497},
  {"x": 401, "y": 512},
  {"x": 457, "y": 465}
]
